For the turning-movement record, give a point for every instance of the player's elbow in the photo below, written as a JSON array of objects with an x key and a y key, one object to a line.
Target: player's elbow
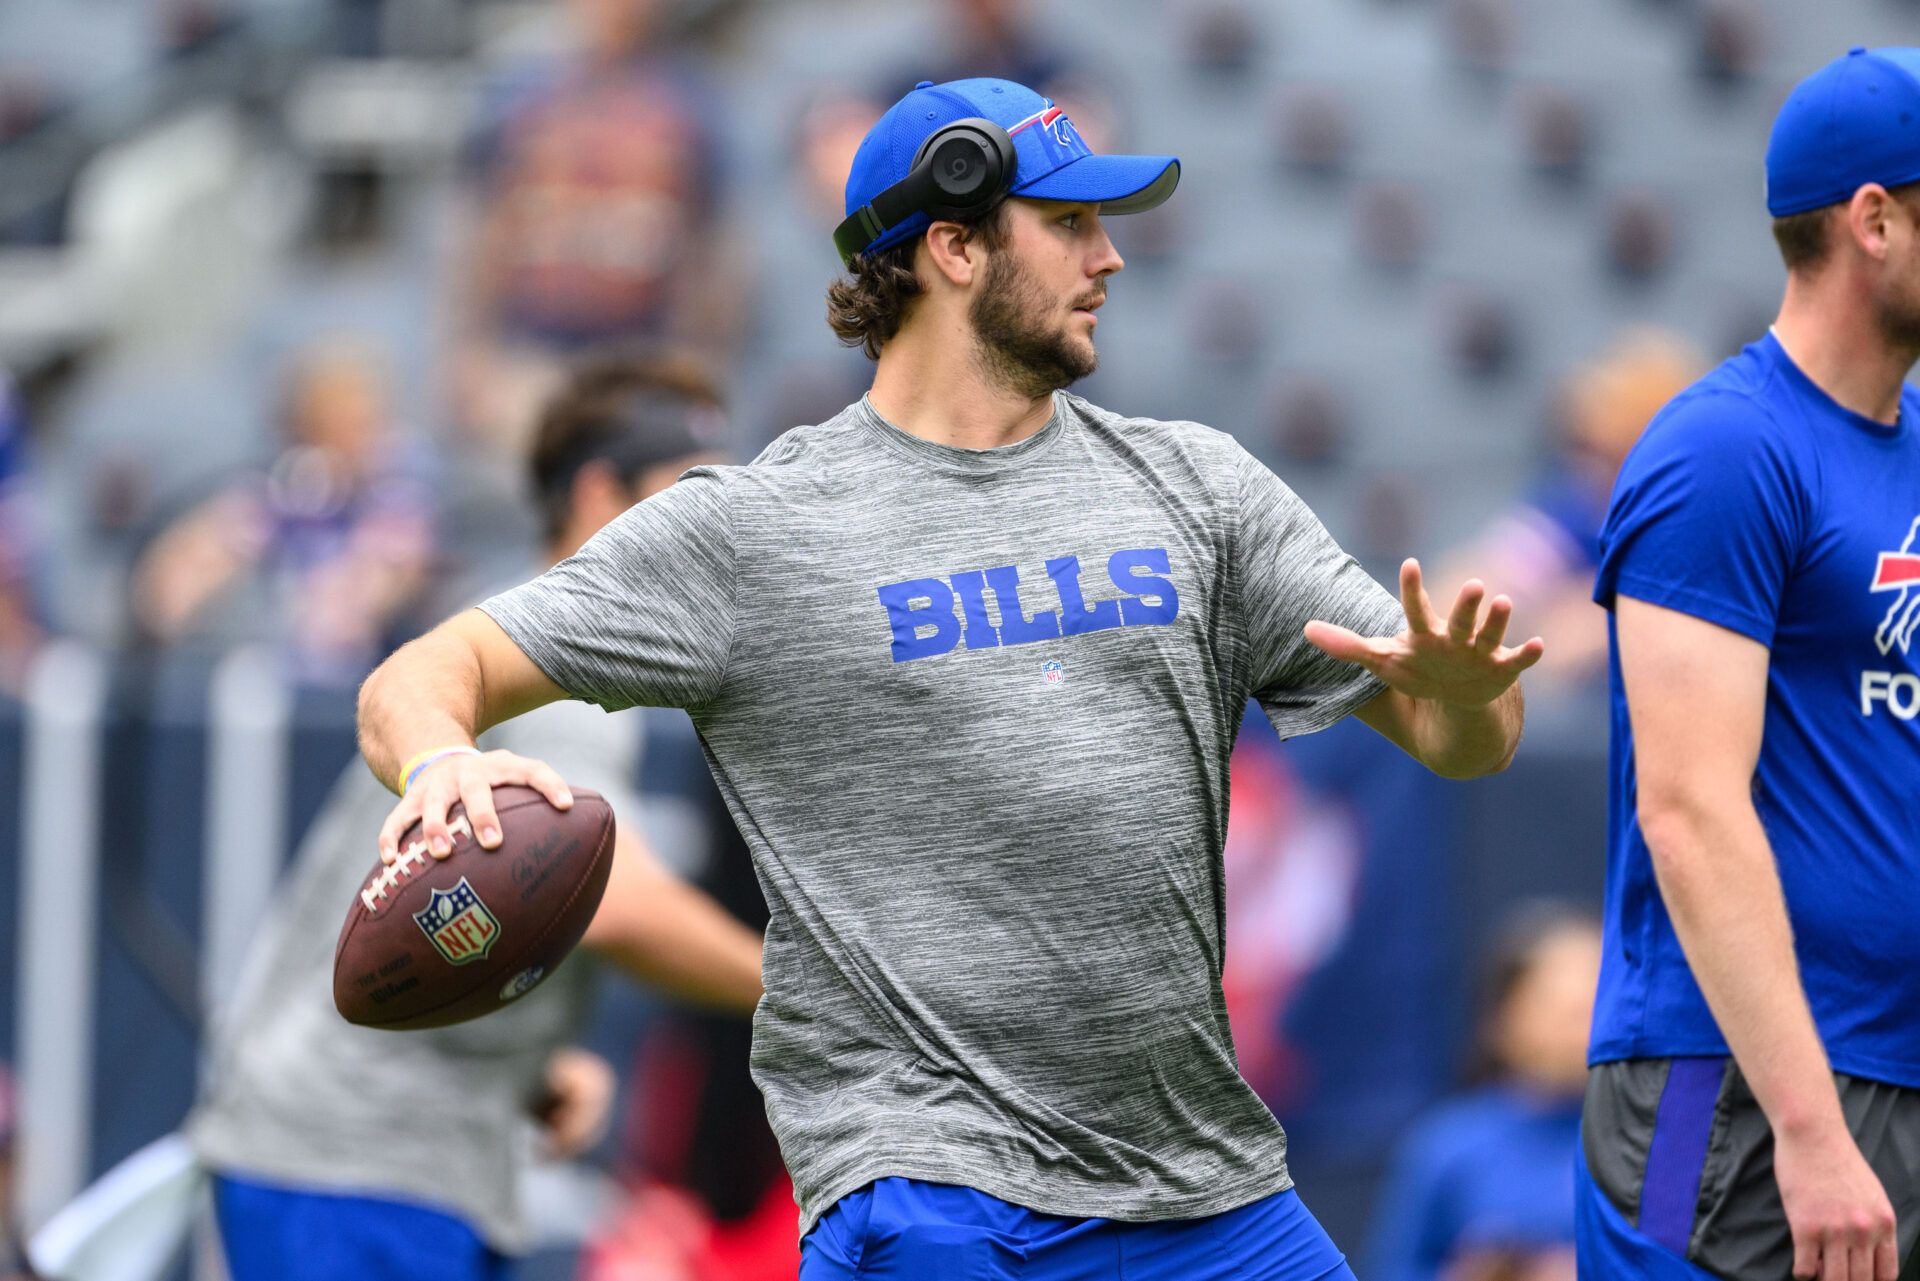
[
  {"x": 1463, "y": 762},
  {"x": 1678, "y": 820},
  {"x": 1463, "y": 770}
]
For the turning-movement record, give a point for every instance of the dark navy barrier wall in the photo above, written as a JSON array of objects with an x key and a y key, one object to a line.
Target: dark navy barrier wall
[{"x": 152, "y": 834}]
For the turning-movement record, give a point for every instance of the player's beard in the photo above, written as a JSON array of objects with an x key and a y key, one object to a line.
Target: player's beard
[{"x": 1019, "y": 346}]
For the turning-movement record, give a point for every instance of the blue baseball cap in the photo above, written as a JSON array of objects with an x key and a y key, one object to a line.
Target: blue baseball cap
[
  {"x": 1854, "y": 121},
  {"x": 1052, "y": 162}
]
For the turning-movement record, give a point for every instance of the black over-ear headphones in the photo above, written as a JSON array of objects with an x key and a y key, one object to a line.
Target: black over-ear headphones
[{"x": 964, "y": 169}]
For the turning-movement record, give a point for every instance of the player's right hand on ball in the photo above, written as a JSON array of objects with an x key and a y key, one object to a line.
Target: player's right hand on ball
[
  {"x": 468, "y": 780},
  {"x": 1842, "y": 1222}
]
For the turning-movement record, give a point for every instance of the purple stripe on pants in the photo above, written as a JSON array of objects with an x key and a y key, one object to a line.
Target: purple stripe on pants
[{"x": 1679, "y": 1150}]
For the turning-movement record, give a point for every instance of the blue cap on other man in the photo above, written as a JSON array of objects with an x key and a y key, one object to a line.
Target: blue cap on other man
[
  {"x": 1854, "y": 121},
  {"x": 1052, "y": 161}
]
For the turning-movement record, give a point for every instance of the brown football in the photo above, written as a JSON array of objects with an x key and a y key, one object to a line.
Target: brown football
[{"x": 431, "y": 942}]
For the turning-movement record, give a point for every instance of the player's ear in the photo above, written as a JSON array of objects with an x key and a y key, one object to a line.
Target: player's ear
[
  {"x": 598, "y": 493},
  {"x": 954, "y": 253},
  {"x": 1866, "y": 218}
]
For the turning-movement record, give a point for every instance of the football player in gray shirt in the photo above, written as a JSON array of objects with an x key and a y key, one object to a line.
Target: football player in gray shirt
[{"x": 967, "y": 662}]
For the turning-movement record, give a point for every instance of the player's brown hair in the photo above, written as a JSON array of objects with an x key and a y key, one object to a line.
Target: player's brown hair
[
  {"x": 592, "y": 417},
  {"x": 1805, "y": 239},
  {"x": 1802, "y": 238},
  {"x": 868, "y": 305}
]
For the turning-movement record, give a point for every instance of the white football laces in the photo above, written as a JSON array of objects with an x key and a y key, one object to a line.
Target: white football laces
[{"x": 415, "y": 855}]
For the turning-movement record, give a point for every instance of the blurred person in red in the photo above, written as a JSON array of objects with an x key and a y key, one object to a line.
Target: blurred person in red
[
  {"x": 326, "y": 548},
  {"x": 1547, "y": 545},
  {"x": 331, "y": 1144},
  {"x": 1482, "y": 1187},
  {"x": 710, "y": 1198},
  {"x": 592, "y": 217}
]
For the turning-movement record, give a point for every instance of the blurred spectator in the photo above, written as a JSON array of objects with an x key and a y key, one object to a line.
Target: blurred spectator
[
  {"x": 594, "y": 218},
  {"x": 1640, "y": 235},
  {"x": 20, "y": 631},
  {"x": 991, "y": 38},
  {"x": 827, "y": 133},
  {"x": 1544, "y": 549},
  {"x": 1481, "y": 333},
  {"x": 326, "y": 548},
  {"x": 1556, "y": 132},
  {"x": 25, "y": 103},
  {"x": 1391, "y": 223},
  {"x": 1732, "y": 41},
  {"x": 999, "y": 38},
  {"x": 1480, "y": 34},
  {"x": 1316, "y": 131},
  {"x": 189, "y": 25},
  {"x": 1223, "y": 39},
  {"x": 1311, "y": 422},
  {"x": 1483, "y": 1186},
  {"x": 1391, "y": 511},
  {"x": 1228, "y": 325}
]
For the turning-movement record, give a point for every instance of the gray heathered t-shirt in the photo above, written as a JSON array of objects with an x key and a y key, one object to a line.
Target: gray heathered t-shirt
[
  {"x": 972, "y": 710},
  {"x": 297, "y": 1096}
]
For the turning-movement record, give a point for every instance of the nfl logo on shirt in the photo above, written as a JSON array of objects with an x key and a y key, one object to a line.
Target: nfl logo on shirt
[
  {"x": 461, "y": 927},
  {"x": 1053, "y": 672}
]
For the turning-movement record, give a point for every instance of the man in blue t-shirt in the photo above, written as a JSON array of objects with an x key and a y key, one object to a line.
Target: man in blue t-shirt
[{"x": 1754, "y": 1102}]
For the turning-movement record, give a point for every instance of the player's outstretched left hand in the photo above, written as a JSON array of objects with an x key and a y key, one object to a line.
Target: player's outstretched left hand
[{"x": 1458, "y": 661}]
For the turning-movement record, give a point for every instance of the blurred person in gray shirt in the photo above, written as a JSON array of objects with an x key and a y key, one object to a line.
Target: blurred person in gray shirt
[{"x": 342, "y": 1151}]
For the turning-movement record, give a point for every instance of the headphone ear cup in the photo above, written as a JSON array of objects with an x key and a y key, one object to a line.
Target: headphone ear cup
[
  {"x": 962, "y": 168},
  {"x": 969, "y": 165}
]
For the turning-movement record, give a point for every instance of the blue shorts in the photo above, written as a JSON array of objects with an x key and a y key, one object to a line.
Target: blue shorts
[
  {"x": 1607, "y": 1246},
  {"x": 906, "y": 1230},
  {"x": 284, "y": 1234}
]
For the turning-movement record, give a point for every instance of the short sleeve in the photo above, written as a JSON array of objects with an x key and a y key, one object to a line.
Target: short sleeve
[
  {"x": 1705, "y": 518},
  {"x": 1290, "y": 572},
  {"x": 642, "y": 615}
]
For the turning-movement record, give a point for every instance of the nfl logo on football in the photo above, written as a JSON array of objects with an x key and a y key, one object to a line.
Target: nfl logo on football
[
  {"x": 461, "y": 927},
  {"x": 1052, "y": 672}
]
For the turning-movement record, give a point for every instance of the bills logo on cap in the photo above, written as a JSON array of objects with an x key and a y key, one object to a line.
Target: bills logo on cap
[
  {"x": 463, "y": 930},
  {"x": 1060, "y": 140},
  {"x": 1899, "y": 572}
]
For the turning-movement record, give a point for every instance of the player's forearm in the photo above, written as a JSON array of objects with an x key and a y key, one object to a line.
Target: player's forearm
[
  {"x": 426, "y": 695},
  {"x": 1458, "y": 740},
  {"x": 672, "y": 936},
  {"x": 1720, "y": 885}
]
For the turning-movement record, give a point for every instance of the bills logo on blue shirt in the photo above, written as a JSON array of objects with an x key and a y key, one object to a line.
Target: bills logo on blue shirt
[
  {"x": 1899, "y": 572},
  {"x": 462, "y": 928},
  {"x": 933, "y": 616}
]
